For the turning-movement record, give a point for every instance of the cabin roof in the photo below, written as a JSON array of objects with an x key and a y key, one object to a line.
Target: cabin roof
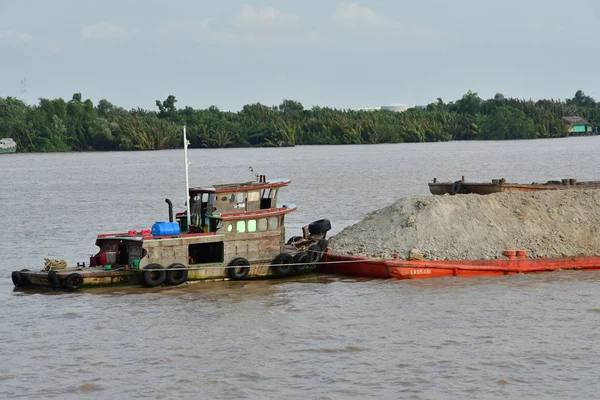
[
  {"x": 575, "y": 121},
  {"x": 119, "y": 236},
  {"x": 243, "y": 186}
]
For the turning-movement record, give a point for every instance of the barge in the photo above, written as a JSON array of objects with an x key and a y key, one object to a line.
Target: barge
[
  {"x": 514, "y": 262},
  {"x": 500, "y": 185}
]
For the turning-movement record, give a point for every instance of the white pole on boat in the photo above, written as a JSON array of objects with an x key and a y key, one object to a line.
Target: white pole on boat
[{"x": 187, "y": 177}]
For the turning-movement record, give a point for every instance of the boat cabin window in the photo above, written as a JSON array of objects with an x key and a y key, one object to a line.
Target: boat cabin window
[
  {"x": 226, "y": 203},
  {"x": 268, "y": 198},
  {"x": 252, "y": 225},
  {"x": 253, "y": 196},
  {"x": 273, "y": 223},
  {"x": 262, "y": 224},
  {"x": 241, "y": 226},
  {"x": 215, "y": 224},
  {"x": 129, "y": 252},
  {"x": 201, "y": 253},
  {"x": 253, "y": 201},
  {"x": 239, "y": 201},
  {"x": 199, "y": 202}
]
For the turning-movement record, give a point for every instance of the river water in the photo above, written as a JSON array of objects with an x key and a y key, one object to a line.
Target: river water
[{"x": 529, "y": 336}]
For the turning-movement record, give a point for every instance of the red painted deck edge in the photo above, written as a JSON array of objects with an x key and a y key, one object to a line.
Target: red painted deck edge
[{"x": 400, "y": 269}]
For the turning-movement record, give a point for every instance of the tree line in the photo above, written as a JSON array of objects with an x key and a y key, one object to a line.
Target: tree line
[{"x": 79, "y": 125}]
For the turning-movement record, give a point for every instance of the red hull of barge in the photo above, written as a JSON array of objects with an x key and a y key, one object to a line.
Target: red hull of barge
[{"x": 400, "y": 269}]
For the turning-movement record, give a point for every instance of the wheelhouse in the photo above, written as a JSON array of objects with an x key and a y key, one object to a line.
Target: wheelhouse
[{"x": 210, "y": 206}]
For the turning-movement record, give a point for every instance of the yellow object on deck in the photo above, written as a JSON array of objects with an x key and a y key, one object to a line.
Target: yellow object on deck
[{"x": 52, "y": 264}]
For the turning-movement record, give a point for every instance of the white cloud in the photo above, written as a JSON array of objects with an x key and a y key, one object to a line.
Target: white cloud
[
  {"x": 354, "y": 16},
  {"x": 251, "y": 26},
  {"x": 353, "y": 13},
  {"x": 12, "y": 36},
  {"x": 103, "y": 31},
  {"x": 267, "y": 17}
]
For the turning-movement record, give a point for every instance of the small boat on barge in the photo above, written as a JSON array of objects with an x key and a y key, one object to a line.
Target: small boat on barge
[
  {"x": 229, "y": 231},
  {"x": 500, "y": 185},
  {"x": 514, "y": 262}
]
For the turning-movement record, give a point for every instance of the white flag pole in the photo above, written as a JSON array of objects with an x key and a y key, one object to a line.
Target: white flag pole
[{"x": 187, "y": 178}]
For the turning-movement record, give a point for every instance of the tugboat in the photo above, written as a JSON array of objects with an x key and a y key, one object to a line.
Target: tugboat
[{"x": 229, "y": 231}]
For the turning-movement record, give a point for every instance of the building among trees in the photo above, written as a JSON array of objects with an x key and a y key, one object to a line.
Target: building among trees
[{"x": 578, "y": 126}]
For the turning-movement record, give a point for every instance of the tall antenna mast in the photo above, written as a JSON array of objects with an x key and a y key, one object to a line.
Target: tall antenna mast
[{"x": 24, "y": 90}]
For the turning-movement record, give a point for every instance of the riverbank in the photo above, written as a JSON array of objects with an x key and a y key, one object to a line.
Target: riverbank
[{"x": 82, "y": 125}]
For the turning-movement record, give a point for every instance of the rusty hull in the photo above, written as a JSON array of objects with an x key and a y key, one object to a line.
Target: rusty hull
[{"x": 500, "y": 185}]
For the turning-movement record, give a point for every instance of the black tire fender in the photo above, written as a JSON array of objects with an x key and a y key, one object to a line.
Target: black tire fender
[
  {"x": 282, "y": 264},
  {"x": 301, "y": 260},
  {"x": 25, "y": 280},
  {"x": 17, "y": 279},
  {"x": 315, "y": 252},
  {"x": 53, "y": 279},
  {"x": 323, "y": 244},
  {"x": 156, "y": 277},
  {"x": 73, "y": 282},
  {"x": 239, "y": 268},
  {"x": 293, "y": 239},
  {"x": 319, "y": 226},
  {"x": 456, "y": 188},
  {"x": 176, "y": 274}
]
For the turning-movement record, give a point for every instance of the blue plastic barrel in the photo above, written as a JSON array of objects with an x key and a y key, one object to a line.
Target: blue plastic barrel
[{"x": 165, "y": 229}]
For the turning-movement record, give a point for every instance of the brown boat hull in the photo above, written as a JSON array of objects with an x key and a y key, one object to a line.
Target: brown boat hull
[{"x": 496, "y": 186}]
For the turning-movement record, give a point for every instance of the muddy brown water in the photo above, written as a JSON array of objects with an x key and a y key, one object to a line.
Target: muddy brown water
[{"x": 309, "y": 337}]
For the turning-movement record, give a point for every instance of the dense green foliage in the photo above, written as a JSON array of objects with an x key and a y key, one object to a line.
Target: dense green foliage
[{"x": 59, "y": 125}]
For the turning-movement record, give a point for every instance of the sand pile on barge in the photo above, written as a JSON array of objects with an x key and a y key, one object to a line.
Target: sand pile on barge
[{"x": 558, "y": 223}]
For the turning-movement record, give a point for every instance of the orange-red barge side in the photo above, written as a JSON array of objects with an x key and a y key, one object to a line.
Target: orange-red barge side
[{"x": 401, "y": 269}]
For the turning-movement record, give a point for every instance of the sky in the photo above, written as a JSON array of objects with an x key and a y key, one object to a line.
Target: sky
[{"x": 327, "y": 53}]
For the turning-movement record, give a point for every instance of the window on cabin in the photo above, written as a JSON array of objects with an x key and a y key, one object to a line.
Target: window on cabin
[
  {"x": 253, "y": 196},
  {"x": 229, "y": 227},
  {"x": 266, "y": 199},
  {"x": 201, "y": 253},
  {"x": 215, "y": 224},
  {"x": 241, "y": 226},
  {"x": 262, "y": 224},
  {"x": 273, "y": 223},
  {"x": 127, "y": 254},
  {"x": 252, "y": 225}
]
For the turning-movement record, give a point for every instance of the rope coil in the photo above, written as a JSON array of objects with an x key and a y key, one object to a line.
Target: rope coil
[{"x": 53, "y": 264}]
